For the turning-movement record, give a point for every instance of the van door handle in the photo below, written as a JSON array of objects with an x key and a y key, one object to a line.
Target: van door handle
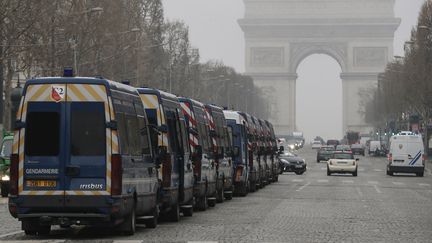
[
  {"x": 409, "y": 156},
  {"x": 72, "y": 170}
]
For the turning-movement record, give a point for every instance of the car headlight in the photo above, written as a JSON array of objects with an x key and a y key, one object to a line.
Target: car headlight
[
  {"x": 5, "y": 178},
  {"x": 292, "y": 146}
]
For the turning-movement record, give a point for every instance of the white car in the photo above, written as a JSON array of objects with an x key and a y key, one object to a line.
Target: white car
[
  {"x": 342, "y": 162},
  {"x": 316, "y": 144}
]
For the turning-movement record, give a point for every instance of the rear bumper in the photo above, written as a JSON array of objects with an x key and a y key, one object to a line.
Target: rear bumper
[
  {"x": 407, "y": 169},
  {"x": 342, "y": 169}
]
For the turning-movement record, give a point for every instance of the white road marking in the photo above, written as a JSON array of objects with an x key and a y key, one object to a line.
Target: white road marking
[
  {"x": 347, "y": 181},
  {"x": 398, "y": 183},
  {"x": 11, "y": 233},
  {"x": 297, "y": 180},
  {"x": 424, "y": 184},
  {"x": 377, "y": 189},
  {"x": 136, "y": 241},
  {"x": 378, "y": 170},
  {"x": 200, "y": 241},
  {"x": 359, "y": 192},
  {"x": 303, "y": 187},
  {"x": 322, "y": 181}
]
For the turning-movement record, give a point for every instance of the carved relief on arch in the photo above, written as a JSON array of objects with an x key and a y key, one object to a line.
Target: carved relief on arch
[{"x": 299, "y": 51}]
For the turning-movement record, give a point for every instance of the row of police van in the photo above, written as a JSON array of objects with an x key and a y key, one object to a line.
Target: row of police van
[{"x": 89, "y": 151}]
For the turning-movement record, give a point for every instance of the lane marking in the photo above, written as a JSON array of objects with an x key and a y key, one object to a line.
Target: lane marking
[
  {"x": 359, "y": 192},
  {"x": 378, "y": 170},
  {"x": 398, "y": 183},
  {"x": 323, "y": 181},
  {"x": 129, "y": 241},
  {"x": 297, "y": 180},
  {"x": 424, "y": 184},
  {"x": 347, "y": 181},
  {"x": 11, "y": 233},
  {"x": 377, "y": 189},
  {"x": 303, "y": 187}
]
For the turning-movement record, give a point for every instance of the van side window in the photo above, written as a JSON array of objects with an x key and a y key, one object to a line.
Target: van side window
[
  {"x": 121, "y": 126},
  {"x": 133, "y": 134},
  {"x": 42, "y": 137},
  {"x": 184, "y": 135},
  {"x": 88, "y": 129},
  {"x": 172, "y": 130}
]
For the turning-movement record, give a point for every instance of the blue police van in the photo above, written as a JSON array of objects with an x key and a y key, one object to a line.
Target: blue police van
[
  {"x": 170, "y": 139},
  {"x": 238, "y": 136},
  {"x": 82, "y": 156},
  {"x": 203, "y": 156}
]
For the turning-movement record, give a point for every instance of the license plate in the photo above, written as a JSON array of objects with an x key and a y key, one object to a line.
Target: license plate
[
  {"x": 41, "y": 183},
  {"x": 299, "y": 166}
]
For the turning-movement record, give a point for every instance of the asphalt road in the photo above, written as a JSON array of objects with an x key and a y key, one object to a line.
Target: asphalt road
[{"x": 312, "y": 207}]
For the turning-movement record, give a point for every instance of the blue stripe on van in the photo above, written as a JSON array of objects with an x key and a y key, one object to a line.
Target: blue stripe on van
[{"x": 416, "y": 158}]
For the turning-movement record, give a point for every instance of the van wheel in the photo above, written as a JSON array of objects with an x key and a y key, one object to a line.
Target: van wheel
[
  {"x": 44, "y": 230},
  {"x": 220, "y": 193},
  {"x": 202, "y": 203},
  {"x": 355, "y": 173},
  {"x": 128, "y": 227},
  {"x": 152, "y": 223},
  {"x": 30, "y": 232},
  {"x": 253, "y": 188},
  {"x": 421, "y": 174},
  {"x": 328, "y": 172},
  {"x": 174, "y": 213}
]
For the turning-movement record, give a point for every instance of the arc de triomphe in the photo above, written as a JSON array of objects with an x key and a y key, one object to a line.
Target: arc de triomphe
[{"x": 279, "y": 34}]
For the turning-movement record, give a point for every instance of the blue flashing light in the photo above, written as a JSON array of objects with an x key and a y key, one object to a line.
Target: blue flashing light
[{"x": 68, "y": 72}]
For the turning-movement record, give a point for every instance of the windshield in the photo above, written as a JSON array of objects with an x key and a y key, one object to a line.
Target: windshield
[{"x": 343, "y": 156}]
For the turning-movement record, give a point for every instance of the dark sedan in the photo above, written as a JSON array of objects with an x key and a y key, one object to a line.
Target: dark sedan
[
  {"x": 325, "y": 153},
  {"x": 292, "y": 163},
  {"x": 358, "y": 149}
]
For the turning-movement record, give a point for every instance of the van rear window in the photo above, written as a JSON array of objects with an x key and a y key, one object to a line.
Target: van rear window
[
  {"x": 88, "y": 129},
  {"x": 42, "y": 136}
]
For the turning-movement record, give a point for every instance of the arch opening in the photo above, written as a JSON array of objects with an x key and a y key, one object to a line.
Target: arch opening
[{"x": 319, "y": 97}]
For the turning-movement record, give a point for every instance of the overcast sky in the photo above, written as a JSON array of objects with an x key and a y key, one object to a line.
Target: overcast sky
[{"x": 214, "y": 30}]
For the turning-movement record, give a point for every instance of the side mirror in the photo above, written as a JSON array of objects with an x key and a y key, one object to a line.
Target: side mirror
[
  {"x": 163, "y": 128},
  {"x": 111, "y": 124},
  {"x": 357, "y": 159},
  {"x": 213, "y": 133},
  {"x": 236, "y": 151},
  {"x": 153, "y": 128},
  {"x": 193, "y": 131},
  {"x": 281, "y": 149},
  {"x": 198, "y": 152},
  {"x": 160, "y": 154}
]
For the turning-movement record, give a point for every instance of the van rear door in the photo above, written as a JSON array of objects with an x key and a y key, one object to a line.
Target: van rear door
[
  {"x": 87, "y": 149},
  {"x": 65, "y": 146}
]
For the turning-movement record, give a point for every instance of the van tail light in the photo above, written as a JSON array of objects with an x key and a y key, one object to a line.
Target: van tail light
[
  {"x": 166, "y": 171},
  {"x": 424, "y": 159},
  {"x": 116, "y": 174},
  {"x": 390, "y": 157},
  {"x": 14, "y": 174},
  {"x": 239, "y": 172}
]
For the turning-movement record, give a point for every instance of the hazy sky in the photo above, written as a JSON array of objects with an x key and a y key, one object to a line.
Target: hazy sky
[{"x": 214, "y": 30}]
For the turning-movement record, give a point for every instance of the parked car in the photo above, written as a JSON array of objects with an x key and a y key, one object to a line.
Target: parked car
[
  {"x": 292, "y": 163},
  {"x": 358, "y": 148},
  {"x": 342, "y": 162},
  {"x": 85, "y": 158},
  {"x": 325, "y": 153}
]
